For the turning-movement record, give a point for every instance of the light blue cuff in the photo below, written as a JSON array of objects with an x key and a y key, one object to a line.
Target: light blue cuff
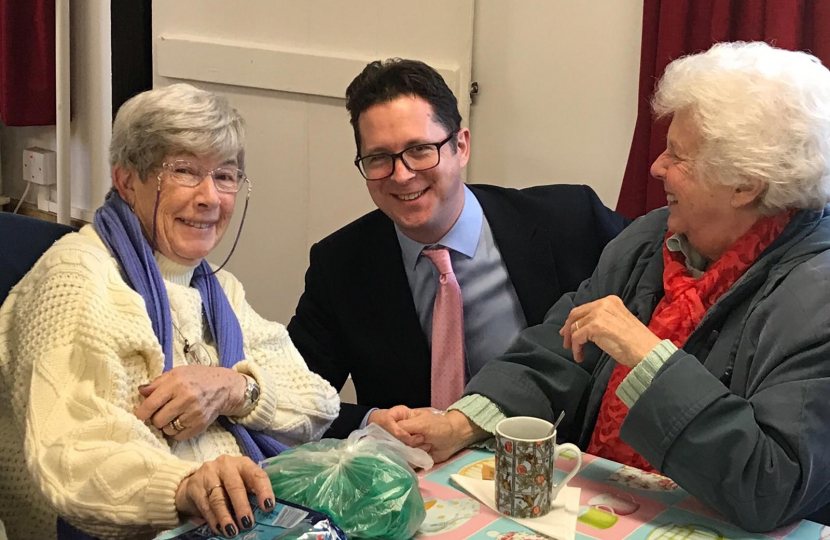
[
  {"x": 365, "y": 421},
  {"x": 636, "y": 382}
]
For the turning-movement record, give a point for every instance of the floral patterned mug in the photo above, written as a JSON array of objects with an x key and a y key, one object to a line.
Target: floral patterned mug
[{"x": 525, "y": 453}]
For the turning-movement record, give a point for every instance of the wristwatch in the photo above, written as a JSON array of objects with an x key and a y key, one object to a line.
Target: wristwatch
[{"x": 251, "y": 395}]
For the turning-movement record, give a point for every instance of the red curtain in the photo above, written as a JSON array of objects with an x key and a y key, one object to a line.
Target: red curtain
[
  {"x": 27, "y": 62},
  {"x": 673, "y": 28}
]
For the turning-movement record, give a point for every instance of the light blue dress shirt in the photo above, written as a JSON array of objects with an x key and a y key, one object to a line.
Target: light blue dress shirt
[{"x": 493, "y": 316}]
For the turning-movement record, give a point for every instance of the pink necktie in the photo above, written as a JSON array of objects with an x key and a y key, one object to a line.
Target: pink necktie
[{"x": 447, "y": 334}]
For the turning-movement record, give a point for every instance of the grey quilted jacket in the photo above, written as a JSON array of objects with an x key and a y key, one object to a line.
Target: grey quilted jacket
[{"x": 740, "y": 416}]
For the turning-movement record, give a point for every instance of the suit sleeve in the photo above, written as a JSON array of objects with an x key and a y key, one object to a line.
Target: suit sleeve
[
  {"x": 316, "y": 334},
  {"x": 608, "y": 223},
  {"x": 314, "y": 329},
  {"x": 351, "y": 416},
  {"x": 758, "y": 458}
]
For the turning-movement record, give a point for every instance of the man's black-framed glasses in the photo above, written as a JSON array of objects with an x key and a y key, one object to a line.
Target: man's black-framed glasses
[{"x": 416, "y": 158}]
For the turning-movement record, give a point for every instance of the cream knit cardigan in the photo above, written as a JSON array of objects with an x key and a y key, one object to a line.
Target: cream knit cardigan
[{"x": 75, "y": 344}]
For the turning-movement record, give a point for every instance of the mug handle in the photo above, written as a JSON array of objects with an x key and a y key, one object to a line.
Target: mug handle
[{"x": 559, "y": 448}]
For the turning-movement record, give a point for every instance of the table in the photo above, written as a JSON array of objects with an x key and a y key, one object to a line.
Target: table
[{"x": 616, "y": 502}]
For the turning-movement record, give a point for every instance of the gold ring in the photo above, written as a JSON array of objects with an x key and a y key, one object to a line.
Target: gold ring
[
  {"x": 214, "y": 487},
  {"x": 576, "y": 324},
  {"x": 177, "y": 425}
]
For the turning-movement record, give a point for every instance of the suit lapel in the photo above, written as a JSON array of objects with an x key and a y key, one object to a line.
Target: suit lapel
[
  {"x": 526, "y": 254},
  {"x": 390, "y": 299}
]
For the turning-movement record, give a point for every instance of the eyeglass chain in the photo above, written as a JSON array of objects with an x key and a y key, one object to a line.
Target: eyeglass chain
[{"x": 187, "y": 345}]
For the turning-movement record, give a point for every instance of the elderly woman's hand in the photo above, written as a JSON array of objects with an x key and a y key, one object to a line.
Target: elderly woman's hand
[
  {"x": 220, "y": 488},
  {"x": 608, "y": 323},
  {"x": 184, "y": 401}
]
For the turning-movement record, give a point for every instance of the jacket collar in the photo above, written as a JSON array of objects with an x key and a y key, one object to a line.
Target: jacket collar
[{"x": 526, "y": 254}]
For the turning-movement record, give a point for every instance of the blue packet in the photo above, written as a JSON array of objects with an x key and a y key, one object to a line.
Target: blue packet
[{"x": 288, "y": 521}]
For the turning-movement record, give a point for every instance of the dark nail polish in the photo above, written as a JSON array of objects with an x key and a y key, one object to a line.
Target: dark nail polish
[
  {"x": 230, "y": 530},
  {"x": 269, "y": 504},
  {"x": 246, "y": 522}
]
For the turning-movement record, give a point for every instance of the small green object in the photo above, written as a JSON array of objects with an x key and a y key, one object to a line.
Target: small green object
[{"x": 369, "y": 490}]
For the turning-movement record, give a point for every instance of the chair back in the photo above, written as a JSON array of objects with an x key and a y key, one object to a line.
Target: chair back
[{"x": 23, "y": 240}]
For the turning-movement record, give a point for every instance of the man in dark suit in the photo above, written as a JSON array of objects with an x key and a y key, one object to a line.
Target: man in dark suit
[{"x": 370, "y": 294}]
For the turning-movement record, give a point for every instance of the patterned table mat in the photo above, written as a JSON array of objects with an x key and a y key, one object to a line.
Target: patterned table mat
[{"x": 617, "y": 503}]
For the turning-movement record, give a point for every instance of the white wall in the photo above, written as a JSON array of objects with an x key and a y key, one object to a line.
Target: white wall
[
  {"x": 287, "y": 74},
  {"x": 91, "y": 88},
  {"x": 558, "y": 98},
  {"x": 557, "y": 104}
]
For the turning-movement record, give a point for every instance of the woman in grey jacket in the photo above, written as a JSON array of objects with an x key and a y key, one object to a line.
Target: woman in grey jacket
[{"x": 700, "y": 347}]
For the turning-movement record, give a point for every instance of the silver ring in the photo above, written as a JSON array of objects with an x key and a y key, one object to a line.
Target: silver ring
[
  {"x": 177, "y": 425},
  {"x": 209, "y": 491}
]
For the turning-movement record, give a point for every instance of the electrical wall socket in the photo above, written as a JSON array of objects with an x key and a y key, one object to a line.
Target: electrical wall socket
[{"x": 40, "y": 166}]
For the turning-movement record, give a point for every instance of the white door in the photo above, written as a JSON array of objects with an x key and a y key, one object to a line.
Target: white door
[{"x": 285, "y": 65}]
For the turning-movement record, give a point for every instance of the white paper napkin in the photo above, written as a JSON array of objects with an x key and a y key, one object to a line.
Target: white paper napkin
[{"x": 559, "y": 523}]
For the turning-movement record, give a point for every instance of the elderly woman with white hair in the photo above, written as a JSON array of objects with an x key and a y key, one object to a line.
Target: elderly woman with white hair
[
  {"x": 142, "y": 383},
  {"x": 700, "y": 347}
]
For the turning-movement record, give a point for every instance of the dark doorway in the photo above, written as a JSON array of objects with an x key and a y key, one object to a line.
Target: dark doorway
[{"x": 132, "y": 49}]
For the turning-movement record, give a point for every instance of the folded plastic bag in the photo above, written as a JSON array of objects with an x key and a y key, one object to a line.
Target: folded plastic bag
[
  {"x": 364, "y": 483},
  {"x": 287, "y": 521}
]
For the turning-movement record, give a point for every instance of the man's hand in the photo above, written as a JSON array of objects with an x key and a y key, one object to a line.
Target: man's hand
[
  {"x": 445, "y": 433},
  {"x": 389, "y": 420}
]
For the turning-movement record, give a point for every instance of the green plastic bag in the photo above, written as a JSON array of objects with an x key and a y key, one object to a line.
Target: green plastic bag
[{"x": 364, "y": 483}]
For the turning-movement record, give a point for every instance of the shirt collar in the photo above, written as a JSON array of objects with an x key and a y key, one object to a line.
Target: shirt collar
[
  {"x": 462, "y": 237},
  {"x": 695, "y": 262}
]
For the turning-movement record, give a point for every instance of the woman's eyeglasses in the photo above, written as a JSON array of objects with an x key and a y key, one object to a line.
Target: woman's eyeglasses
[{"x": 227, "y": 179}]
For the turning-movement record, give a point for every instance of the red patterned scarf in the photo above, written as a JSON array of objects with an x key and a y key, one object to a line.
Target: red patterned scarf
[{"x": 677, "y": 315}]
